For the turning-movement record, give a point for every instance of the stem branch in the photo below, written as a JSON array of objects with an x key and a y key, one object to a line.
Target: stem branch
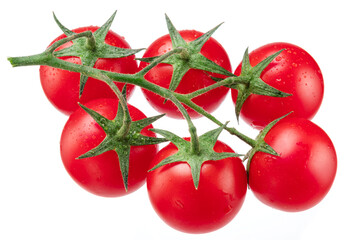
[
  {"x": 47, "y": 58},
  {"x": 123, "y": 131},
  {"x": 208, "y": 88},
  {"x": 55, "y": 45},
  {"x": 91, "y": 42},
  {"x": 251, "y": 142},
  {"x": 194, "y": 139}
]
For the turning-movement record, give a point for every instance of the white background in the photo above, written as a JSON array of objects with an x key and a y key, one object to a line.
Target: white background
[{"x": 38, "y": 200}]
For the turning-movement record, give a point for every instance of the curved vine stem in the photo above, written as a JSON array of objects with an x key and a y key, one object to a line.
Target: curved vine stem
[
  {"x": 233, "y": 131},
  {"x": 47, "y": 58},
  {"x": 194, "y": 139},
  {"x": 55, "y": 45},
  {"x": 123, "y": 131},
  {"x": 225, "y": 82}
]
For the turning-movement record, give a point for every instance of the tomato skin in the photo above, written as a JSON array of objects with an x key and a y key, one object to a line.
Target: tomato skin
[
  {"x": 193, "y": 80},
  {"x": 101, "y": 174},
  {"x": 302, "y": 175},
  {"x": 219, "y": 197},
  {"x": 62, "y": 87},
  {"x": 294, "y": 71}
]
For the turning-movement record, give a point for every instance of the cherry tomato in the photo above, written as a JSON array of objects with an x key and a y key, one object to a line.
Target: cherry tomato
[
  {"x": 293, "y": 71},
  {"x": 302, "y": 175},
  {"x": 193, "y": 80},
  {"x": 101, "y": 174},
  {"x": 62, "y": 87},
  {"x": 219, "y": 197}
]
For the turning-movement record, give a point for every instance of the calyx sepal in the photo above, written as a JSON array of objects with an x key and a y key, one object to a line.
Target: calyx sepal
[
  {"x": 249, "y": 82},
  {"x": 186, "y": 154},
  {"x": 261, "y": 145},
  {"x": 90, "y": 49},
  {"x": 121, "y": 144}
]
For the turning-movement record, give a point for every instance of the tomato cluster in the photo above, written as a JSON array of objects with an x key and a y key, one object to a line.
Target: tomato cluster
[{"x": 195, "y": 184}]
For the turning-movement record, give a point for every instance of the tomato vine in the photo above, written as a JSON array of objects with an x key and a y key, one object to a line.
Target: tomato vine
[
  {"x": 48, "y": 58},
  {"x": 128, "y": 128}
]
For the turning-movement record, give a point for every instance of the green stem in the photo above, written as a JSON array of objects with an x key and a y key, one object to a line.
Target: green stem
[
  {"x": 196, "y": 93},
  {"x": 32, "y": 60},
  {"x": 194, "y": 138},
  {"x": 251, "y": 142},
  {"x": 46, "y": 58},
  {"x": 230, "y": 81},
  {"x": 233, "y": 131},
  {"x": 124, "y": 130},
  {"x": 55, "y": 45},
  {"x": 185, "y": 54},
  {"x": 91, "y": 43}
]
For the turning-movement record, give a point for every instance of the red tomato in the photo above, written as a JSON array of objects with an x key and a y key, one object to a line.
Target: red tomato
[
  {"x": 219, "y": 197},
  {"x": 62, "y": 87},
  {"x": 302, "y": 175},
  {"x": 101, "y": 174},
  {"x": 193, "y": 80},
  {"x": 294, "y": 71}
]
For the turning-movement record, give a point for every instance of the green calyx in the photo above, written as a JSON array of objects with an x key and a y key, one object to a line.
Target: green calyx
[
  {"x": 91, "y": 48},
  {"x": 187, "y": 154},
  {"x": 190, "y": 56},
  {"x": 261, "y": 145},
  {"x": 119, "y": 142},
  {"x": 249, "y": 82}
]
